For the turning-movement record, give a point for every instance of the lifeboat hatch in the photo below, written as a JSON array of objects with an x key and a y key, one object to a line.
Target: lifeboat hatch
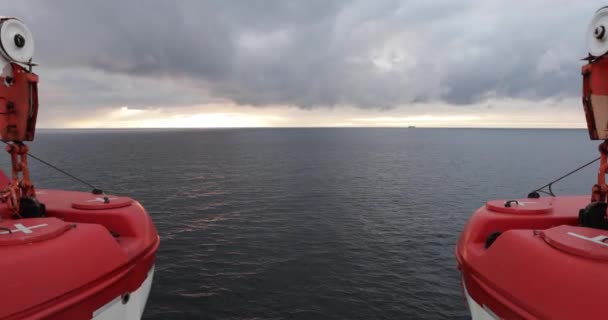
[
  {"x": 580, "y": 241},
  {"x": 102, "y": 203},
  {"x": 23, "y": 231},
  {"x": 521, "y": 206}
]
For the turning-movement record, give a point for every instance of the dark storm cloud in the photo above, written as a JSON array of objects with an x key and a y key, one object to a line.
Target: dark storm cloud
[{"x": 370, "y": 54}]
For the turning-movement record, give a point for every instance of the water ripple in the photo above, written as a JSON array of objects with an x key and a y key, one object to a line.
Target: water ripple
[{"x": 311, "y": 223}]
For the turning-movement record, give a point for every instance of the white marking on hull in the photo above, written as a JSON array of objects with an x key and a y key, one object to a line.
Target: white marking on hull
[
  {"x": 101, "y": 200},
  {"x": 24, "y": 229},
  {"x": 524, "y": 203},
  {"x": 597, "y": 239},
  {"x": 133, "y": 309}
]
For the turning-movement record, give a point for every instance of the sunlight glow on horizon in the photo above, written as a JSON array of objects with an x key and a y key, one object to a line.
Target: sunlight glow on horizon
[
  {"x": 156, "y": 118},
  {"x": 502, "y": 114}
]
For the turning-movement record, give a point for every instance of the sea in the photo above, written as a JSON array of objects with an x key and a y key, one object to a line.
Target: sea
[{"x": 311, "y": 223}]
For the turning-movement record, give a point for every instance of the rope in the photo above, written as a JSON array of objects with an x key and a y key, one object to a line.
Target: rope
[
  {"x": 95, "y": 189},
  {"x": 534, "y": 194}
]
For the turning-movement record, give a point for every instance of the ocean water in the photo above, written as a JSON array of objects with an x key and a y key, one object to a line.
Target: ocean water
[{"x": 312, "y": 223}]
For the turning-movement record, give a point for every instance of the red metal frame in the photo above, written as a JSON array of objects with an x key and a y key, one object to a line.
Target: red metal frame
[
  {"x": 18, "y": 113},
  {"x": 595, "y": 82},
  {"x": 600, "y": 189},
  {"x": 18, "y": 187}
]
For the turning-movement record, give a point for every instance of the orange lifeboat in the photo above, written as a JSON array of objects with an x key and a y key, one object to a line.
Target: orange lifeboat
[
  {"x": 546, "y": 257},
  {"x": 65, "y": 254}
]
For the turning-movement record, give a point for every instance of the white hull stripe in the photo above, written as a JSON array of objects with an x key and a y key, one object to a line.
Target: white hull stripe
[{"x": 133, "y": 309}]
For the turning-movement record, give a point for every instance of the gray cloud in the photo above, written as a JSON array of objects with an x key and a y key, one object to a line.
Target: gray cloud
[{"x": 314, "y": 53}]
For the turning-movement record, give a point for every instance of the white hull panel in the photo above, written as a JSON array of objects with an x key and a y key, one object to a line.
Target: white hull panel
[{"x": 133, "y": 309}]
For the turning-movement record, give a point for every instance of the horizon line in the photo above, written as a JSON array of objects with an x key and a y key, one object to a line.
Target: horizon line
[{"x": 307, "y": 127}]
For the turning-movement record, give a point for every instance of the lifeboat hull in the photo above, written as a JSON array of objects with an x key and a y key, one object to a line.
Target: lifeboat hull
[
  {"x": 530, "y": 260},
  {"x": 90, "y": 257}
]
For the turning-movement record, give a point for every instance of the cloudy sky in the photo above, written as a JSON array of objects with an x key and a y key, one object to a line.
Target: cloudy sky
[{"x": 250, "y": 63}]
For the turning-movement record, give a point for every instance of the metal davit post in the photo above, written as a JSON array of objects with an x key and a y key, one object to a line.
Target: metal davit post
[
  {"x": 18, "y": 112},
  {"x": 595, "y": 104}
]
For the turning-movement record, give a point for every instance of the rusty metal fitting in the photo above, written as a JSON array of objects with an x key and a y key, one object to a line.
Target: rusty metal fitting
[{"x": 603, "y": 147}]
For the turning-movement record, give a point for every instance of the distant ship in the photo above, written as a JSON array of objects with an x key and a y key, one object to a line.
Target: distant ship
[
  {"x": 411, "y": 127},
  {"x": 546, "y": 257},
  {"x": 65, "y": 254}
]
